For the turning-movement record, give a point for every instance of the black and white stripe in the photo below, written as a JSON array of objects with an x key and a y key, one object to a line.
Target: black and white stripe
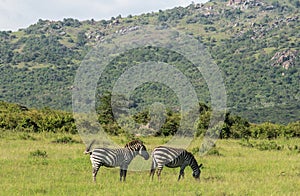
[
  {"x": 173, "y": 157},
  {"x": 120, "y": 157}
]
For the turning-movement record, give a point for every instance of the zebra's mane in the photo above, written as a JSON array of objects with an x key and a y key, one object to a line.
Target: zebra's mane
[
  {"x": 134, "y": 143},
  {"x": 193, "y": 159},
  {"x": 88, "y": 148}
]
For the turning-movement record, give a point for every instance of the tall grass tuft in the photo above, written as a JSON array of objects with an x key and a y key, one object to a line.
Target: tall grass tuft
[{"x": 39, "y": 153}]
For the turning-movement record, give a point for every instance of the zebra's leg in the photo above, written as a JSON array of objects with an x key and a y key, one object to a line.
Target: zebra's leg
[
  {"x": 121, "y": 174},
  {"x": 159, "y": 169},
  {"x": 152, "y": 171},
  {"x": 124, "y": 175},
  {"x": 181, "y": 172},
  {"x": 95, "y": 171}
]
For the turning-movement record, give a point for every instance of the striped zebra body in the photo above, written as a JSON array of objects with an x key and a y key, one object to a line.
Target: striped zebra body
[
  {"x": 173, "y": 157},
  {"x": 120, "y": 157}
]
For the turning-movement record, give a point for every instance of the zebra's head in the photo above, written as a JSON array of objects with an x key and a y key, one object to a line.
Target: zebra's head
[
  {"x": 197, "y": 172},
  {"x": 138, "y": 147}
]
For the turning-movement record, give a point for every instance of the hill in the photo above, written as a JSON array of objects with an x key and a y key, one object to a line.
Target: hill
[{"x": 255, "y": 43}]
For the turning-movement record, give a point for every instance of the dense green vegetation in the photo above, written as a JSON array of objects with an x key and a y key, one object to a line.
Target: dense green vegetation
[
  {"x": 255, "y": 44},
  {"x": 17, "y": 118},
  {"x": 38, "y": 86}
]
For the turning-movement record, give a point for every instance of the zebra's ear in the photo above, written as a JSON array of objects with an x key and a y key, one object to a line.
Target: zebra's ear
[{"x": 200, "y": 165}]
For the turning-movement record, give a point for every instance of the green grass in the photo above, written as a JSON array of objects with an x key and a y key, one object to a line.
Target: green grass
[{"x": 32, "y": 164}]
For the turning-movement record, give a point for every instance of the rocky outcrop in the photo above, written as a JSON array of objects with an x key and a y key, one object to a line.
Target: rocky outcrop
[{"x": 286, "y": 59}]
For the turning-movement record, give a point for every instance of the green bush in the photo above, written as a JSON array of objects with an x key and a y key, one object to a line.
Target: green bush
[
  {"x": 293, "y": 129},
  {"x": 267, "y": 131},
  {"x": 26, "y": 136},
  {"x": 39, "y": 153},
  {"x": 262, "y": 145},
  {"x": 65, "y": 140},
  {"x": 214, "y": 151},
  {"x": 171, "y": 125},
  {"x": 17, "y": 118}
]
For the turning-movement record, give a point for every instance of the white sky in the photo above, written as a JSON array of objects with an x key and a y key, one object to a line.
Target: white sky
[{"x": 15, "y": 14}]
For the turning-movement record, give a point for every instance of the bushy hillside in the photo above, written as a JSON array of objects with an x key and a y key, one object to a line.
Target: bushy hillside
[{"x": 256, "y": 44}]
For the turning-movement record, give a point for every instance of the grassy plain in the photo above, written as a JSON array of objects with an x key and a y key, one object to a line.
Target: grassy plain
[{"x": 34, "y": 164}]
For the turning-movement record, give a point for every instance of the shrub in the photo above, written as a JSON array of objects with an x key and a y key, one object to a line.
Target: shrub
[
  {"x": 267, "y": 131},
  {"x": 195, "y": 150},
  {"x": 214, "y": 151},
  {"x": 26, "y": 136},
  {"x": 39, "y": 153},
  {"x": 268, "y": 145},
  {"x": 262, "y": 145},
  {"x": 293, "y": 129},
  {"x": 65, "y": 140}
]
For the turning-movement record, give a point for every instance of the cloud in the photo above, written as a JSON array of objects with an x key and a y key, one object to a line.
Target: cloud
[
  {"x": 12, "y": 13},
  {"x": 15, "y": 14}
]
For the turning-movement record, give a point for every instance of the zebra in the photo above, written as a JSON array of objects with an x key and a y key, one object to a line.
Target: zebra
[
  {"x": 174, "y": 157},
  {"x": 120, "y": 157}
]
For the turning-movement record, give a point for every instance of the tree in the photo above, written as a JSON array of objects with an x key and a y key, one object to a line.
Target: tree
[{"x": 81, "y": 38}]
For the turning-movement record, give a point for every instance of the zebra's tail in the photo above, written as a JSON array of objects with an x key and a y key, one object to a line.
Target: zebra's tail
[{"x": 88, "y": 148}]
